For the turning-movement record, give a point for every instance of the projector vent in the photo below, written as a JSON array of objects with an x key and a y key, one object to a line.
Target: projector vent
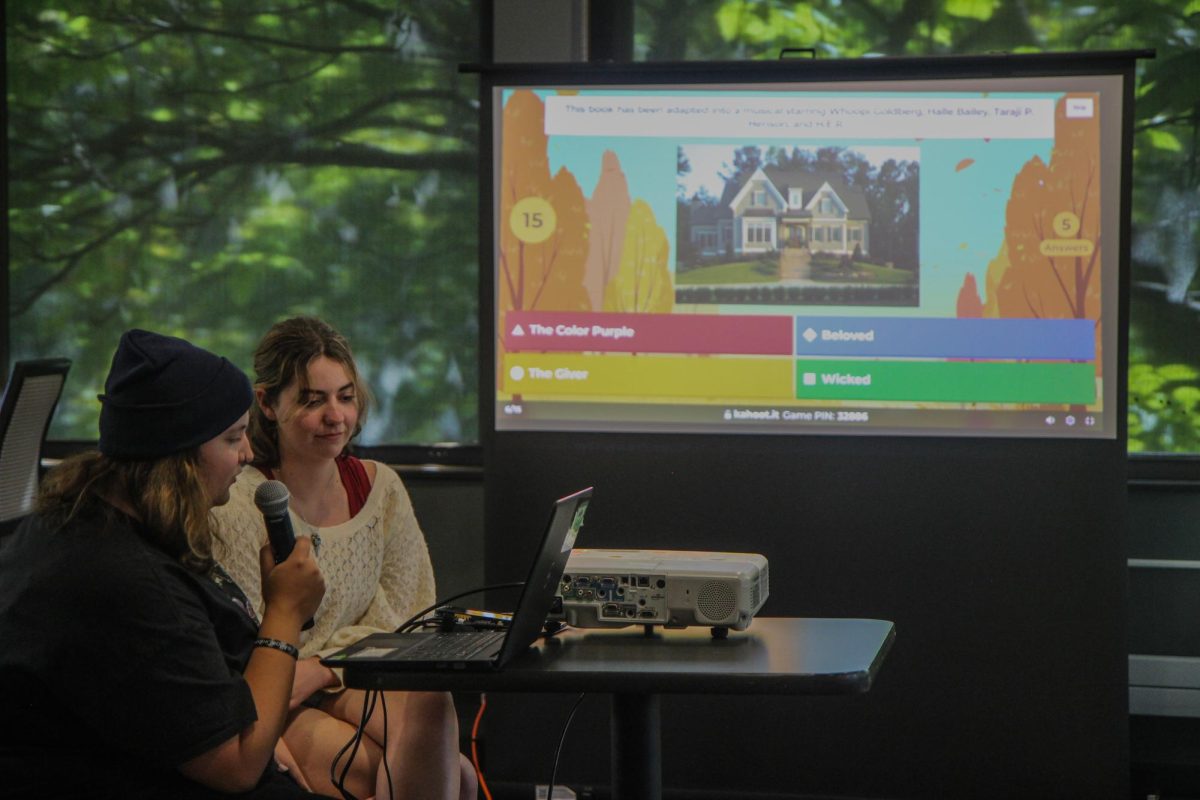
[{"x": 716, "y": 601}]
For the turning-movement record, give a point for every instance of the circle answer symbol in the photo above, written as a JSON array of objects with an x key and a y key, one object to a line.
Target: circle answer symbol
[
  {"x": 1066, "y": 224},
  {"x": 532, "y": 220}
]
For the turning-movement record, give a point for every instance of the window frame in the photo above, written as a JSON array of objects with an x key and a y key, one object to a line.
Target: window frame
[{"x": 447, "y": 459}]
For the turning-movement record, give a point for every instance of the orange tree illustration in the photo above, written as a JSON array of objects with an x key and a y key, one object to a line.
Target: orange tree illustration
[
  {"x": 968, "y": 303},
  {"x": 1055, "y": 201},
  {"x": 608, "y": 210},
  {"x": 539, "y": 274},
  {"x": 642, "y": 283}
]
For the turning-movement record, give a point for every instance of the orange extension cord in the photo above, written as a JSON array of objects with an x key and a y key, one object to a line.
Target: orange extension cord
[{"x": 475, "y": 750}]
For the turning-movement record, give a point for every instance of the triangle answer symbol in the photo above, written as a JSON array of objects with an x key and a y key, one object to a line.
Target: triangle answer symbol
[{"x": 518, "y": 330}]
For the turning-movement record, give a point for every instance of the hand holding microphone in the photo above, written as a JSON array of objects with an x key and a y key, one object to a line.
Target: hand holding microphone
[{"x": 272, "y": 498}]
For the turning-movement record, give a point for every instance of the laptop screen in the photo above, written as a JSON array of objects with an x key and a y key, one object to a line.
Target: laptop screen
[{"x": 537, "y": 596}]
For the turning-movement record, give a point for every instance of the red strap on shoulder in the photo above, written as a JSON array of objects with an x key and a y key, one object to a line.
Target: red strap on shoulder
[{"x": 354, "y": 478}]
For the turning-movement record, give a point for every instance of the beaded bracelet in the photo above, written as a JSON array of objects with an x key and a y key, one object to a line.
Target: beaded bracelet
[{"x": 275, "y": 644}]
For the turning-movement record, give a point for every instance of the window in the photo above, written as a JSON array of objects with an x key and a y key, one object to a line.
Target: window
[
  {"x": 1164, "y": 362},
  {"x": 760, "y": 198},
  {"x": 795, "y": 198},
  {"x": 191, "y": 203},
  {"x": 758, "y": 233},
  {"x": 230, "y": 164}
]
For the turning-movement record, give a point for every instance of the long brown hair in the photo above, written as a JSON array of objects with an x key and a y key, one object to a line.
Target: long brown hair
[
  {"x": 167, "y": 495},
  {"x": 281, "y": 358}
]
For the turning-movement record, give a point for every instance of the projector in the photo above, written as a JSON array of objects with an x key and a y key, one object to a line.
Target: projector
[{"x": 672, "y": 588}]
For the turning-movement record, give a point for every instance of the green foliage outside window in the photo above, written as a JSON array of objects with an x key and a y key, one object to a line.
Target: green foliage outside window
[
  {"x": 205, "y": 167},
  {"x": 1164, "y": 374}
]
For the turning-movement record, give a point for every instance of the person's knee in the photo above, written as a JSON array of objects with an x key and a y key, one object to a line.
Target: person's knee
[
  {"x": 468, "y": 786},
  {"x": 430, "y": 710}
]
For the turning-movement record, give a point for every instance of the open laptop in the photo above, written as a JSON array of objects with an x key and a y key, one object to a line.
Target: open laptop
[{"x": 483, "y": 649}]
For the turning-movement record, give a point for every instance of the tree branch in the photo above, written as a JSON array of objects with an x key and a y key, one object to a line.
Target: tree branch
[
  {"x": 254, "y": 88},
  {"x": 74, "y": 258},
  {"x": 1186, "y": 117},
  {"x": 351, "y": 119},
  {"x": 189, "y": 28},
  {"x": 900, "y": 27},
  {"x": 356, "y": 155},
  {"x": 367, "y": 10},
  {"x": 1041, "y": 234},
  {"x": 80, "y": 55}
]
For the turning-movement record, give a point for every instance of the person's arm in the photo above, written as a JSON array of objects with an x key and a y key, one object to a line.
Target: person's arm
[
  {"x": 407, "y": 581},
  {"x": 287, "y": 763},
  {"x": 293, "y": 591},
  {"x": 312, "y": 677},
  {"x": 242, "y": 535}
]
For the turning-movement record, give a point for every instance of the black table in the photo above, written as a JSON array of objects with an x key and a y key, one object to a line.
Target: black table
[{"x": 777, "y": 655}]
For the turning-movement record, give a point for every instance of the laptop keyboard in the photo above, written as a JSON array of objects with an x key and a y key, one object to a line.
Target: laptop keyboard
[{"x": 450, "y": 646}]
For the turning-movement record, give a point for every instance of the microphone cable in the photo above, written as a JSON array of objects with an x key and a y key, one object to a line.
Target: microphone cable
[
  {"x": 387, "y": 770},
  {"x": 339, "y": 781},
  {"x": 561, "y": 739},
  {"x": 370, "y": 698}
]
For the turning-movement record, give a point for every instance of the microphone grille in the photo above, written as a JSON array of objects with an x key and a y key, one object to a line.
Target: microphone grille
[{"x": 272, "y": 498}]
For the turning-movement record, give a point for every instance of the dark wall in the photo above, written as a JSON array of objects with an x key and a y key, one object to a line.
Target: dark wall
[
  {"x": 1164, "y": 602},
  {"x": 450, "y": 511},
  {"x": 1002, "y": 564},
  {"x": 1164, "y": 620}
]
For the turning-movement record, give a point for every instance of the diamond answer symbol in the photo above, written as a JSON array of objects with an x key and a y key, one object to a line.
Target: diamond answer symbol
[{"x": 809, "y": 335}]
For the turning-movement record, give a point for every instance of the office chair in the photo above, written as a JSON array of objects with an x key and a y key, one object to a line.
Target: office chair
[{"x": 29, "y": 401}]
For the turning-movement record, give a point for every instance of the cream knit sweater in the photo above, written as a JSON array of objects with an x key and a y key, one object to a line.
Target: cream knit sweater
[{"x": 376, "y": 565}]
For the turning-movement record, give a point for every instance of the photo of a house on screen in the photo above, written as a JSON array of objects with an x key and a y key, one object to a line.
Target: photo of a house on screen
[{"x": 797, "y": 226}]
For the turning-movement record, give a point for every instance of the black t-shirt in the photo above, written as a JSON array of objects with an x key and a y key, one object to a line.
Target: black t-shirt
[{"x": 117, "y": 664}]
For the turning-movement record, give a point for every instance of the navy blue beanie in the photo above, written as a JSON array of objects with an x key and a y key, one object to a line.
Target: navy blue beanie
[{"x": 164, "y": 395}]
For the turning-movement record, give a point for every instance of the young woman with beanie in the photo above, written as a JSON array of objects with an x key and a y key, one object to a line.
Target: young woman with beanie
[
  {"x": 132, "y": 665},
  {"x": 310, "y": 404}
]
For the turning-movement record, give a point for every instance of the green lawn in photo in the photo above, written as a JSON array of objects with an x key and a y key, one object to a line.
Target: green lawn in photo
[
  {"x": 757, "y": 271},
  {"x": 862, "y": 272},
  {"x": 766, "y": 271}
]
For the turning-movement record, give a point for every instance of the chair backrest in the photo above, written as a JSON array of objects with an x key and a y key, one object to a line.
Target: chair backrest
[{"x": 29, "y": 401}]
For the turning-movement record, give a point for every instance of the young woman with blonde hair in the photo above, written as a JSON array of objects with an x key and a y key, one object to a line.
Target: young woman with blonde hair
[{"x": 310, "y": 403}]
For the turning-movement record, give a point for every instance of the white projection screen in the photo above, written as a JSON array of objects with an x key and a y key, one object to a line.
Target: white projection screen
[{"x": 922, "y": 249}]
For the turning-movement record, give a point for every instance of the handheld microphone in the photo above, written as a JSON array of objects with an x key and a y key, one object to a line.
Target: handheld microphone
[{"x": 272, "y": 498}]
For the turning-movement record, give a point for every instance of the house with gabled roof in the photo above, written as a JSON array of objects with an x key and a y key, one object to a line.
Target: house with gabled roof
[{"x": 775, "y": 208}]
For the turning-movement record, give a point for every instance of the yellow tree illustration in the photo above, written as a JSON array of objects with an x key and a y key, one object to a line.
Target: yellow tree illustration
[{"x": 642, "y": 283}]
